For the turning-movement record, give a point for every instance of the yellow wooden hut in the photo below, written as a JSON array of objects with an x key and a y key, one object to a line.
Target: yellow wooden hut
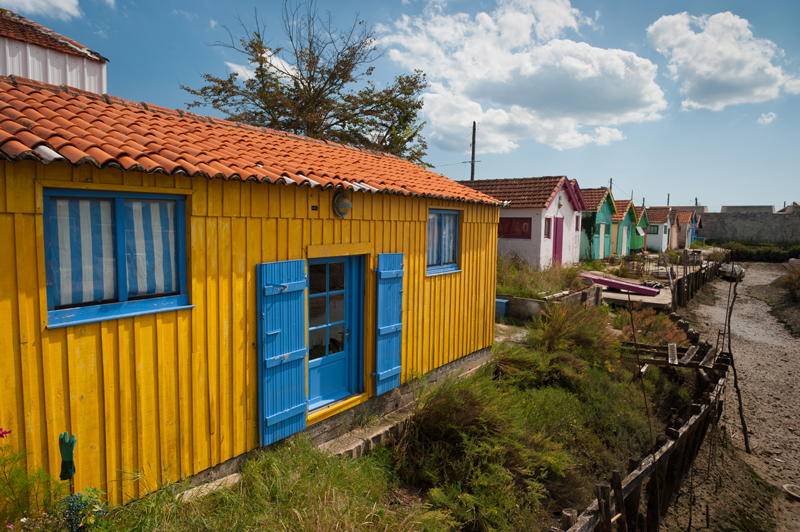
[{"x": 177, "y": 290}]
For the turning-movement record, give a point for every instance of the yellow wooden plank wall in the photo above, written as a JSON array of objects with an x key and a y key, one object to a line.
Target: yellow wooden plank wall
[{"x": 167, "y": 395}]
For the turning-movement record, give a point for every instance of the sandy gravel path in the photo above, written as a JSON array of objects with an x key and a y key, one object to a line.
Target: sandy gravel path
[{"x": 768, "y": 363}]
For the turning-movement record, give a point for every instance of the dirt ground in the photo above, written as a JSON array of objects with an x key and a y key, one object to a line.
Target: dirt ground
[{"x": 767, "y": 359}]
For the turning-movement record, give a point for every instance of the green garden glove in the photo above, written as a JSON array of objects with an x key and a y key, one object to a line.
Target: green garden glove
[{"x": 66, "y": 445}]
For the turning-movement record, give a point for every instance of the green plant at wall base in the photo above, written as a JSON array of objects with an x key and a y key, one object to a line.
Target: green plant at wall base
[
  {"x": 290, "y": 486},
  {"x": 83, "y": 511},
  {"x": 24, "y": 492}
]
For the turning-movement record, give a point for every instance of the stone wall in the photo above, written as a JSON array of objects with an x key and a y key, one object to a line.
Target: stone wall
[{"x": 751, "y": 227}]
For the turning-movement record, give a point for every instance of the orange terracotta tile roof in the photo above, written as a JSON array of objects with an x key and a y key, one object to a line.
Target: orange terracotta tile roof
[
  {"x": 685, "y": 217},
  {"x": 13, "y": 26},
  {"x": 640, "y": 210},
  {"x": 522, "y": 193},
  {"x": 47, "y": 123},
  {"x": 594, "y": 197},
  {"x": 658, "y": 215},
  {"x": 622, "y": 210}
]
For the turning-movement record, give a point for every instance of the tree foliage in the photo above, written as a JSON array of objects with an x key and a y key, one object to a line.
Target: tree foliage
[{"x": 317, "y": 84}]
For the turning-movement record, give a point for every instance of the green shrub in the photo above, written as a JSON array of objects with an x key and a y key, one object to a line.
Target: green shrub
[
  {"x": 525, "y": 369},
  {"x": 762, "y": 253},
  {"x": 791, "y": 282},
  {"x": 23, "y": 491},
  {"x": 593, "y": 265},
  {"x": 582, "y": 329},
  {"x": 652, "y": 327},
  {"x": 293, "y": 486},
  {"x": 470, "y": 448}
]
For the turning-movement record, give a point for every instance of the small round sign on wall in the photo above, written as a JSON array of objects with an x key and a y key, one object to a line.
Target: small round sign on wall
[{"x": 342, "y": 204}]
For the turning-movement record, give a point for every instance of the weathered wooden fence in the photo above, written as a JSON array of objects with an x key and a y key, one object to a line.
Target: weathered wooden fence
[
  {"x": 692, "y": 280},
  {"x": 659, "y": 476}
]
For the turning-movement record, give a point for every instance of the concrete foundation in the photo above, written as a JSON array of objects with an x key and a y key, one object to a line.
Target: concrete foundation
[{"x": 526, "y": 309}]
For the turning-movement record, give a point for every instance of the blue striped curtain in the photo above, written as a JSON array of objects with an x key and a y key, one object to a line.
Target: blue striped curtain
[
  {"x": 434, "y": 233},
  {"x": 150, "y": 241},
  {"x": 83, "y": 264},
  {"x": 449, "y": 238}
]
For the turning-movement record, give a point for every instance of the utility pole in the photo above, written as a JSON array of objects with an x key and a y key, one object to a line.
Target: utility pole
[
  {"x": 667, "y": 200},
  {"x": 611, "y": 184},
  {"x": 695, "y": 202},
  {"x": 472, "y": 171}
]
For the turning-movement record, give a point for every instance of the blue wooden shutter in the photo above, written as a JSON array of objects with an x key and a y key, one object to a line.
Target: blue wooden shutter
[
  {"x": 282, "y": 349},
  {"x": 390, "y": 322}
]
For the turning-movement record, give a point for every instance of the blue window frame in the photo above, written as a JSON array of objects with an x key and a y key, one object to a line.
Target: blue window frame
[
  {"x": 113, "y": 255},
  {"x": 442, "y": 241}
]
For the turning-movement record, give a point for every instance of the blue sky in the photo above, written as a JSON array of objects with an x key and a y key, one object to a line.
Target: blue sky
[{"x": 696, "y": 99}]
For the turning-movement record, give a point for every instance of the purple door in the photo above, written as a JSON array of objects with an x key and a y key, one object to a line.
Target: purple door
[{"x": 558, "y": 236}]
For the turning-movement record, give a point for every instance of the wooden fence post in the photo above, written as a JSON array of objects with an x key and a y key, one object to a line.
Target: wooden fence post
[
  {"x": 672, "y": 471},
  {"x": 619, "y": 502},
  {"x": 604, "y": 502},
  {"x": 655, "y": 488},
  {"x": 634, "y": 499},
  {"x": 568, "y": 518}
]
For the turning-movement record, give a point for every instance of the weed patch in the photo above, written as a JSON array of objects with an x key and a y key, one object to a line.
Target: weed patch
[
  {"x": 791, "y": 282},
  {"x": 515, "y": 277},
  {"x": 471, "y": 449},
  {"x": 24, "y": 493},
  {"x": 652, "y": 328},
  {"x": 292, "y": 487}
]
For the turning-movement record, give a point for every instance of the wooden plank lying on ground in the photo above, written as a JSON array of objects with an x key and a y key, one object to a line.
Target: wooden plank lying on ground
[
  {"x": 673, "y": 354},
  {"x": 622, "y": 285},
  {"x": 690, "y": 353},
  {"x": 712, "y": 355}
]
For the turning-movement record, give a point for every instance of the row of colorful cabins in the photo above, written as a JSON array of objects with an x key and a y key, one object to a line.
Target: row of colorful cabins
[{"x": 547, "y": 220}]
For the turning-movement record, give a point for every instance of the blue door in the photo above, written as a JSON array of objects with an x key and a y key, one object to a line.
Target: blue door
[{"x": 335, "y": 335}]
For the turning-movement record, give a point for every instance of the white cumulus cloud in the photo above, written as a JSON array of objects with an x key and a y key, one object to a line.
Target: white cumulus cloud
[
  {"x": 516, "y": 73},
  {"x": 212, "y": 23},
  {"x": 718, "y": 60},
  {"x": 188, "y": 15},
  {"x": 766, "y": 118},
  {"x": 60, "y": 9}
]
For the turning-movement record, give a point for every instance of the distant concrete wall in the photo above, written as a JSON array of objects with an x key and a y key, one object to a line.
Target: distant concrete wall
[
  {"x": 748, "y": 208},
  {"x": 751, "y": 227}
]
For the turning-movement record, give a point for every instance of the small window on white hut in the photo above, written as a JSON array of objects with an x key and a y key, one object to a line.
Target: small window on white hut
[{"x": 442, "y": 241}]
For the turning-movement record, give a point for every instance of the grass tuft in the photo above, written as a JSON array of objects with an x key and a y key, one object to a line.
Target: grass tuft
[
  {"x": 292, "y": 487},
  {"x": 515, "y": 277},
  {"x": 652, "y": 327},
  {"x": 791, "y": 282}
]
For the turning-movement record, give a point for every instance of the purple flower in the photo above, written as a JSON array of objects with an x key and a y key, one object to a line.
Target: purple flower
[{"x": 4, "y": 433}]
